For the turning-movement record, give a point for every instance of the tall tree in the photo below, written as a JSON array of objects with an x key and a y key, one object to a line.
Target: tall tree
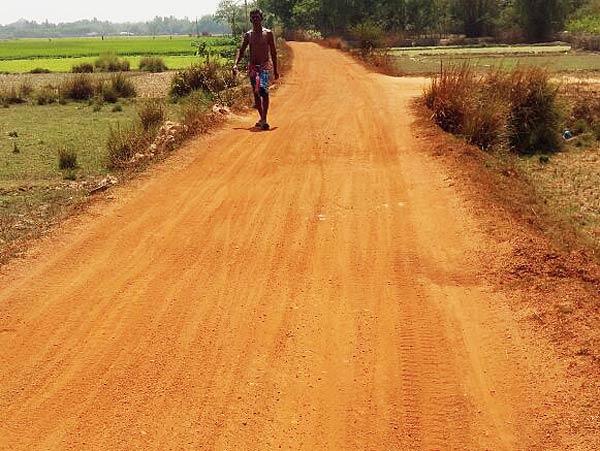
[
  {"x": 540, "y": 19},
  {"x": 477, "y": 17}
]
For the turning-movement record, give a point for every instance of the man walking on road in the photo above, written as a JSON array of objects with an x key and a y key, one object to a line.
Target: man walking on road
[{"x": 262, "y": 45}]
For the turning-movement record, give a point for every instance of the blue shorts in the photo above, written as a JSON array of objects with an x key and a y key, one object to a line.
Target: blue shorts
[{"x": 261, "y": 77}]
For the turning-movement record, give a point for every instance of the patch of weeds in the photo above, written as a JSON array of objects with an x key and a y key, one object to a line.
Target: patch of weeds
[
  {"x": 517, "y": 109},
  {"x": 544, "y": 159},
  {"x": 46, "y": 96},
  {"x": 596, "y": 132},
  {"x": 97, "y": 105},
  {"x": 152, "y": 113},
  {"x": 67, "y": 158},
  {"x": 213, "y": 77},
  {"x": 70, "y": 174},
  {"x": 194, "y": 113},
  {"x": 12, "y": 95},
  {"x": 152, "y": 64},
  {"x": 124, "y": 142},
  {"x": 25, "y": 89},
  {"x": 580, "y": 126},
  {"x": 122, "y": 85},
  {"x": 83, "y": 68},
  {"x": 109, "y": 93},
  {"x": 584, "y": 140},
  {"x": 109, "y": 62},
  {"x": 80, "y": 87},
  {"x": 117, "y": 108}
]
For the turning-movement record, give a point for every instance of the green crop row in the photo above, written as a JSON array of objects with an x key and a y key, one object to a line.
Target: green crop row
[
  {"x": 93, "y": 46},
  {"x": 65, "y": 64}
]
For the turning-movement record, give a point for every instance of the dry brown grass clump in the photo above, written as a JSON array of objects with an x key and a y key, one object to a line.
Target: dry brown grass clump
[
  {"x": 79, "y": 87},
  {"x": 124, "y": 142},
  {"x": 152, "y": 113},
  {"x": 518, "y": 109},
  {"x": 213, "y": 77}
]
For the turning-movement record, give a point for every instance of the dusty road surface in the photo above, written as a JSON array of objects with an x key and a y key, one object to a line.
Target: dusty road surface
[{"x": 314, "y": 287}]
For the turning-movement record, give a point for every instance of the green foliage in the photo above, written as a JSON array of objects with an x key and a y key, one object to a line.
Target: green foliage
[
  {"x": 70, "y": 174},
  {"x": 40, "y": 70},
  {"x": 109, "y": 62},
  {"x": 152, "y": 64},
  {"x": 476, "y": 17},
  {"x": 156, "y": 27},
  {"x": 586, "y": 24},
  {"x": 234, "y": 15},
  {"x": 540, "y": 19},
  {"x": 535, "y": 116},
  {"x": 212, "y": 77},
  {"x": 83, "y": 68},
  {"x": 369, "y": 35},
  {"x": 152, "y": 113},
  {"x": 97, "y": 104},
  {"x": 306, "y": 14},
  {"x": 67, "y": 158}
]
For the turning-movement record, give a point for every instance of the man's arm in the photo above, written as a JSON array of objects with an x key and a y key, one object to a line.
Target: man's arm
[
  {"x": 273, "y": 49},
  {"x": 241, "y": 52}
]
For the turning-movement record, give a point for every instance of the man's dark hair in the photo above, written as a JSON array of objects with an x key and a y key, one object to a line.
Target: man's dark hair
[{"x": 257, "y": 11}]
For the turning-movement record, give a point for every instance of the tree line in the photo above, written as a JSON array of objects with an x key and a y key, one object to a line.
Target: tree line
[
  {"x": 158, "y": 26},
  {"x": 533, "y": 20}
]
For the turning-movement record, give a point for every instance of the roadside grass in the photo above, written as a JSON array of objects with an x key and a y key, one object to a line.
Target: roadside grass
[
  {"x": 428, "y": 64},
  {"x": 146, "y": 84},
  {"x": 568, "y": 183},
  {"x": 523, "y": 112},
  {"x": 19, "y": 66},
  {"x": 73, "y": 125},
  {"x": 482, "y": 50},
  {"x": 30, "y": 210}
]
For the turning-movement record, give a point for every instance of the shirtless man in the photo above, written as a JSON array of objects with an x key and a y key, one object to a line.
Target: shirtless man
[{"x": 262, "y": 44}]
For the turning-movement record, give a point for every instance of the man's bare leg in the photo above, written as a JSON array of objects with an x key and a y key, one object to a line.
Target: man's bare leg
[
  {"x": 265, "y": 109},
  {"x": 258, "y": 105}
]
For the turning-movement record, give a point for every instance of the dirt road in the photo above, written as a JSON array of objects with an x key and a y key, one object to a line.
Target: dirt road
[{"x": 315, "y": 287}]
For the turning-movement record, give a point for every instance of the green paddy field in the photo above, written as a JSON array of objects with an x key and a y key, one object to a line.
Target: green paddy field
[{"x": 59, "y": 55}]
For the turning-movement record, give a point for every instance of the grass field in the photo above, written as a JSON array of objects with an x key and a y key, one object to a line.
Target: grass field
[
  {"x": 59, "y": 55},
  {"x": 496, "y": 50},
  {"x": 65, "y": 64},
  {"x": 428, "y": 64},
  {"x": 129, "y": 46},
  {"x": 74, "y": 125}
]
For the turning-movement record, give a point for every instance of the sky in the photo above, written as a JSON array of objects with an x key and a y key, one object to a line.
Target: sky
[{"x": 113, "y": 10}]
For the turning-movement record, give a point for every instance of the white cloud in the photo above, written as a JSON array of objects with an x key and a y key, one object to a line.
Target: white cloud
[{"x": 113, "y": 10}]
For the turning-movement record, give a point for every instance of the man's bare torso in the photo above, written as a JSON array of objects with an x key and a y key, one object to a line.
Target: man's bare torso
[{"x": 259, "y": 46}]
